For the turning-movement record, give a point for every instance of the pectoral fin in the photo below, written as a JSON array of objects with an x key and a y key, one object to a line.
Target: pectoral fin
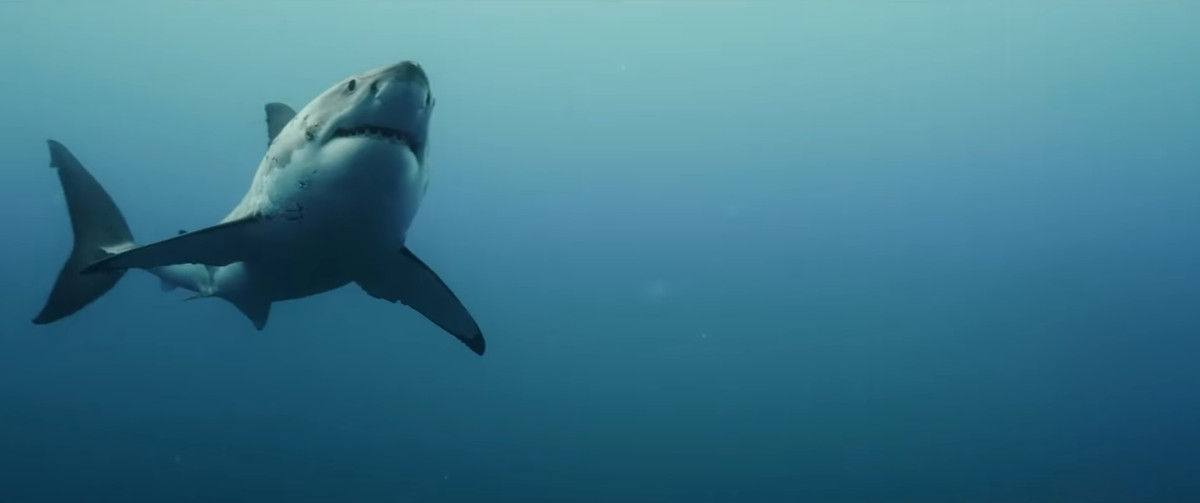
[
  {"x": 221, "y": 244},
  {"x": 402, "y": 277}
]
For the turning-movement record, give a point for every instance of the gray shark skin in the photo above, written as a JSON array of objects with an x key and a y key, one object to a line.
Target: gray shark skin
[{"x": 330, "y": 204}]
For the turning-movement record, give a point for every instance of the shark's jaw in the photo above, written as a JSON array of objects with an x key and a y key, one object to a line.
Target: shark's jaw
[
  {"x": 380, "y": 133},
  {"x": 386, "y": 107}
]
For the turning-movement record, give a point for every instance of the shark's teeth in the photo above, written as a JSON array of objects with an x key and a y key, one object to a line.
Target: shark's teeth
[{"x": 373, "y": 132}]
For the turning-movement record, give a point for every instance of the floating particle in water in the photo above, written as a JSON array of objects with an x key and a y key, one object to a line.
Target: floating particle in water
[{"x": 657, "y": 290}]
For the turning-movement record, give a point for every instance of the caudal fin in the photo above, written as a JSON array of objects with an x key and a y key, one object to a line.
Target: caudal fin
[{"x": 99, "y": 230}]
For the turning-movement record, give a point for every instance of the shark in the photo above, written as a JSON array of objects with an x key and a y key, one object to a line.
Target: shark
[{"x": 330, "y": 204}]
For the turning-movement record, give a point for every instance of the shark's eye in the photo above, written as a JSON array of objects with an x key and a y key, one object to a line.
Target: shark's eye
[{"x": 350, "y": 85}]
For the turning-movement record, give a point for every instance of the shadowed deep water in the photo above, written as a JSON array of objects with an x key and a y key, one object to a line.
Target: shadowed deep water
[{"x": 722, "y": 252}]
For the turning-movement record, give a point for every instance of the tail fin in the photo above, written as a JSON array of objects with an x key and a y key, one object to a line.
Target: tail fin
[{"x": 99, "y": 229}]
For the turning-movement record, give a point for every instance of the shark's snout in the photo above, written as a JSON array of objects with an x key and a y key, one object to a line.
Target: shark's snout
[
  {"x": 392, "y": 103},
  {"x": 408, "y": 71},
  {"x": 403, "y": 82}
]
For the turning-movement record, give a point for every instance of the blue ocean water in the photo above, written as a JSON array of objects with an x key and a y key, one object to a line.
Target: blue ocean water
[{"x": 722, "y": 252}]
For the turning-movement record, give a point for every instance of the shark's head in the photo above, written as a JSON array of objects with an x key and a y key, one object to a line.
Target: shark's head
[{"x": 385, "y": 108}]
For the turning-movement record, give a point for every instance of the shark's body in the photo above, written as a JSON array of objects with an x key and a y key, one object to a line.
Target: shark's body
[{"x": 330, "y": 204}]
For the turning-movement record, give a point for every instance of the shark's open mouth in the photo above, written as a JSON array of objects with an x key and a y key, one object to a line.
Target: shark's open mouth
[{"x": 378, "y": 133}]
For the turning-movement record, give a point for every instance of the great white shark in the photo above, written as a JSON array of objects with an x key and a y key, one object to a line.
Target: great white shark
[{"x": 330, "y": 204}]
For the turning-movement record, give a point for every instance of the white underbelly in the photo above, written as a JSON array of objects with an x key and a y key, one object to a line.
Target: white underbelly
[
  {"x": 367, "y": 198},
  {"x": 321, "y": 221},
  {"x": 283, "y": 279}
]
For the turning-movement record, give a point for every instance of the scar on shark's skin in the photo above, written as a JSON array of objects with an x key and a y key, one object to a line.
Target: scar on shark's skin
[
  {"x": 366, "y": 138},
  {"x": 294, "y": 214}
]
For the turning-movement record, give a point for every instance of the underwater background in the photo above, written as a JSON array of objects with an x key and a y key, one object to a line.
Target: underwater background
[{"x": 721, "y": 251}]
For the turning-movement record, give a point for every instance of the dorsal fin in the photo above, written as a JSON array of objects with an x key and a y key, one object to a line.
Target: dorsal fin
[{"x": 278, "y": 116}]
